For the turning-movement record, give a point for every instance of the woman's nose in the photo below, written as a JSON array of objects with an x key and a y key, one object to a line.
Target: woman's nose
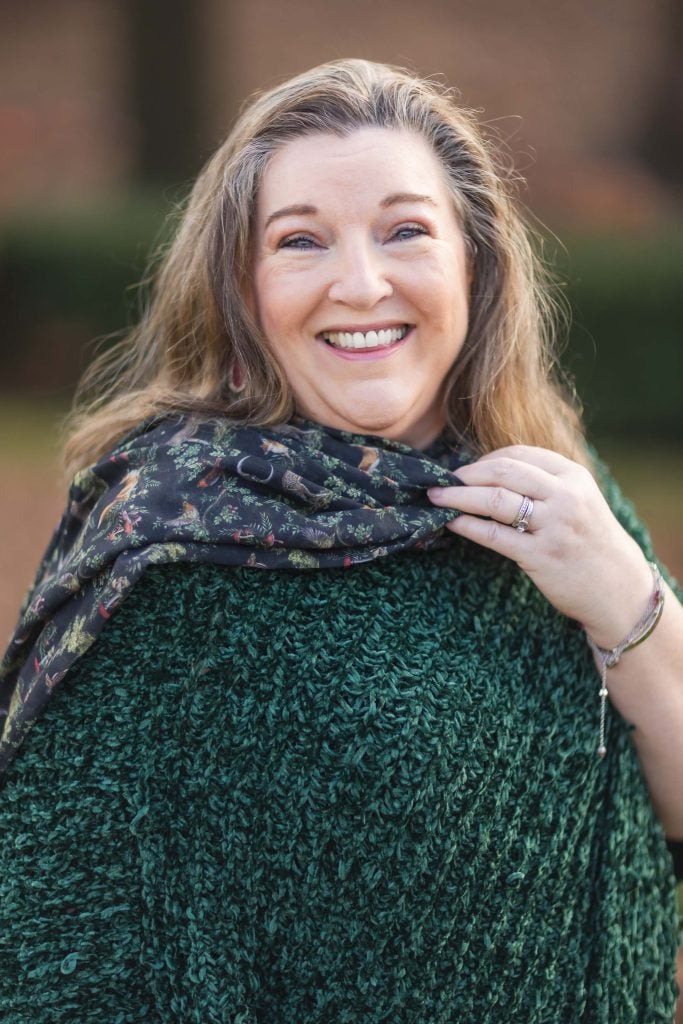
[{"x": 360, "y": 278}]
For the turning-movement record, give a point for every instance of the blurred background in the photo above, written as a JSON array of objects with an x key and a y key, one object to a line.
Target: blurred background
[{"x": 108, "y": 108}]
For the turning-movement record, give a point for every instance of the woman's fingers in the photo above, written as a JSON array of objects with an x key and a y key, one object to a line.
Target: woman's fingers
[
  {"x": 497, "y": 484},
  {"x": 494, "y": 535},
  {"x": 512, "y": 474},
  {"x": 496, "y": 503}
]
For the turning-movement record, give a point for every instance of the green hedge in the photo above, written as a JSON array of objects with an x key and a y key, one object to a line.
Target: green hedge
[
  {"x": 625, "y": 346},
  {"x": 66, "y": 279}
]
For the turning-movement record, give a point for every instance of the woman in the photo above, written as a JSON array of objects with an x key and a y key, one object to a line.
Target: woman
[{"x": 381, "y": 782}]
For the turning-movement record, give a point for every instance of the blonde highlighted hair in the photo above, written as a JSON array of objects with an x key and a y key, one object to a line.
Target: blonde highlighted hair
[{"x": 504, "y": 386}]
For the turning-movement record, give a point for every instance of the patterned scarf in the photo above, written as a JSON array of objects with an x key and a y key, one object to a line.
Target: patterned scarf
[{"x": 297, "y": 496}]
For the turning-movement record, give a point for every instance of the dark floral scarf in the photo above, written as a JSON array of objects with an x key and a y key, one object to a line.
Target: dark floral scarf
[{"x": 298, "y": 496}]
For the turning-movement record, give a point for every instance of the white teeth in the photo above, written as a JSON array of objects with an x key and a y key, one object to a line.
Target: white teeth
[{"x": 369, "y": 339}]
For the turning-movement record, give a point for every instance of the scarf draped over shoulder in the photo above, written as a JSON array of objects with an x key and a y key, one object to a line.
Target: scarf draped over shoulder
[{"x": 297, "y": 496}]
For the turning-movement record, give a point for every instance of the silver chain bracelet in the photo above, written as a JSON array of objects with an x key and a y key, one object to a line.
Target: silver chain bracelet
[{"x": 609, "y": 657}]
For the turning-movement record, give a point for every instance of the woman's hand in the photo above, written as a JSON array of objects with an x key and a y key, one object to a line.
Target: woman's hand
[{"x": 575, "y": 551}]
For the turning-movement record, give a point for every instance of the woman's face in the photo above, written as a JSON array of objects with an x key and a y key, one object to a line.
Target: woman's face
[{"x": 361, "y": 280}]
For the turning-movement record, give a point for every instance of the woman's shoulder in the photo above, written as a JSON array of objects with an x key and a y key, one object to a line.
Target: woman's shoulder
[
  {"x": 145, "y": 657},
  {"x": 169, "y": 603}
]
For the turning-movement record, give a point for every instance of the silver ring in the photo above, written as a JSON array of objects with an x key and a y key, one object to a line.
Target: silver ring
[{"x": 521, "y": 521}]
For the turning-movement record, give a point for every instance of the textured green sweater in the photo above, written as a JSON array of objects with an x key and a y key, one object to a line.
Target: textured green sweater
[{"x": 337, "y": 796}]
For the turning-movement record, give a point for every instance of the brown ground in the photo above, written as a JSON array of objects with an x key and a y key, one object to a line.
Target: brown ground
[{"x": 27, "y": 520}]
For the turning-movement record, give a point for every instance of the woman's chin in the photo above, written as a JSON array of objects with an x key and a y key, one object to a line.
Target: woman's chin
[{"x": 396, "y": 423}]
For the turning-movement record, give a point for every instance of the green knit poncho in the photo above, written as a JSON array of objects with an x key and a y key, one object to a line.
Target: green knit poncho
[{"x": 347, "y": 797}]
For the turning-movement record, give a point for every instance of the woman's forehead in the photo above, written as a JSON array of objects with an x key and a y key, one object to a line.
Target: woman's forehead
[{"x": 369, "y": 163}]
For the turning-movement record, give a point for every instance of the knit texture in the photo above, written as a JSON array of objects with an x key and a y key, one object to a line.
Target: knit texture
[{"x": 352, "y": 796}]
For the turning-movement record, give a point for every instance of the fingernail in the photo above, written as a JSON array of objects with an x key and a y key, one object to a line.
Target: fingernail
[{"x": 435, "y": 494}]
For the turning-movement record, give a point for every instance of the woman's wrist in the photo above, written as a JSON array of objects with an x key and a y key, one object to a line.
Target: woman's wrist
[
  {"x": 641, "y": 628},
  {"x": 631, "y": 594}
]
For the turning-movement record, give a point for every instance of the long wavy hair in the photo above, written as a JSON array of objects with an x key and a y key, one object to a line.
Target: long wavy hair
[{"x": 504, "y": 386}]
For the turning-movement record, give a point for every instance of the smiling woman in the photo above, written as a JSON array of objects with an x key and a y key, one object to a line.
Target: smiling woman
[
  {"x": 306, "y": 716},
  {"x": 362, "y": 288},
  {"x": 202, "y": 346}
]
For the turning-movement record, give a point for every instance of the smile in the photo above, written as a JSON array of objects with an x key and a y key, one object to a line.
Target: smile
[{"x": 365, "y": 339}]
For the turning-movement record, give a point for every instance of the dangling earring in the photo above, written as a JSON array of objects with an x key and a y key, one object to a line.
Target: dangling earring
[{"x": 237, "y": 379}]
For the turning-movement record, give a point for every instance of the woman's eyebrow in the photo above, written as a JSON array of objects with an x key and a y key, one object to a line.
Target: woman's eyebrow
[
  {"x": 298, "y": 209},
  {"x": 302, "y": 209},
  {"x": 406, "y": 197}
]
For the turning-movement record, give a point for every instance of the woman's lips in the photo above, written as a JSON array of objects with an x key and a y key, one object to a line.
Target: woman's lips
[{"x": 380, "y": 352}]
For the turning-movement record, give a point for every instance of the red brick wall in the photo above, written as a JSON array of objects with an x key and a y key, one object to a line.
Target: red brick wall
[{"x": 568, "y": 83}]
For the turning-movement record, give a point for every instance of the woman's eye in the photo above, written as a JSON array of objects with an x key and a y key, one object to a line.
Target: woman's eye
[
  {"x": 297, "y": 242},
  {"x": 406, "y": 231}
]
